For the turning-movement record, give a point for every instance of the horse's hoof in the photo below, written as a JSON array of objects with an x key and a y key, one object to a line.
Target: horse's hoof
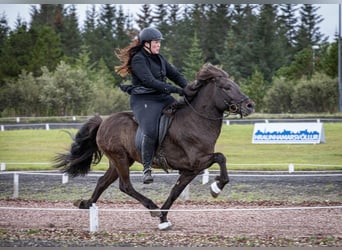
[
  {"x": 214, "y": 190},
  {"x": 165, "y": 226},
  {"x": 77, "y": 203},
  {"x": 81, "y": 204},
  {"x": 155, "y": 213}
]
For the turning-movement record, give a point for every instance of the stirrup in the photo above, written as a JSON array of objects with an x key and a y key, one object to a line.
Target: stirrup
[{"x": 147, "y": 178}]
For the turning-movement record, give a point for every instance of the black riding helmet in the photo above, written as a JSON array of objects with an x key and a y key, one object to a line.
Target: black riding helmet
[{"x": 150, "y": 34}]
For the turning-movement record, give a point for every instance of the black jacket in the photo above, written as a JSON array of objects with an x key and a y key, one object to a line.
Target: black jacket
[{"x": 149, "y": 74}]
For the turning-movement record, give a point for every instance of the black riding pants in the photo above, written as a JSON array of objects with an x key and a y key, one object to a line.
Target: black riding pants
[{"x": 147, "y": 110}]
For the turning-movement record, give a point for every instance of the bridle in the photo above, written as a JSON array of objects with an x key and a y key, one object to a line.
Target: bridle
[{"x": 231, "y": 106}]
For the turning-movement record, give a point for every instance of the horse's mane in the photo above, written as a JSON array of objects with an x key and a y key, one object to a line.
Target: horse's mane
[{"x": 207, "y": 72}]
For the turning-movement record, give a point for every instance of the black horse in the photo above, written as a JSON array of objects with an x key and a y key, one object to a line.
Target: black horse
[{"x": 188, "y": 146}]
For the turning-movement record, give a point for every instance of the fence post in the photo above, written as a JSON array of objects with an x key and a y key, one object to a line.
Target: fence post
[
  {"x": 205, "y": 177},
  {"x": 2, "y": 166},
  {"x": 65, "y": 178},
  {"x": 47, "y": 126},
  {"x": 2, "y": 128},
  {"x": 15, "y": 185},
  {"x": 93, "y": 218},
  {"x": 291, "y": 168},
  {"x": 185, "y": 195}
]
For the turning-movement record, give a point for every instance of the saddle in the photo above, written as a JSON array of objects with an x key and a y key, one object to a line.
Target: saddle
[{"x": 164, "y": 124}]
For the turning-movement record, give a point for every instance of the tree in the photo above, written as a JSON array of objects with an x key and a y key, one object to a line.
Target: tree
[
  {"x": 65, "y": 91},
  {"x": 278, "y": 98},
  {"x": 256, "y": 87},
  {"x": 70, "y": 34},
  {"x": 329, "y": 61},
  {"x": 318, "y": 94},
  {"x": 20, "y": 97},
  {"x": 216, "y": 30},
  {"x": 308, "y": 34},
  {"x": 4, "y": 30},
  {"x": 302, "y": 66},
  {"x": 106, "y": 29},
  {"x": 160, "y": 18},
  {"x": 268, "y": 45},
  {"x": 288, "y": 22},
  {"x": 16, "y": 52},
  {"x": 194, "y": 59},
  {"x": 48, "y": 15},
  {"x": 238, "y": 56},
  {"x": 91, "y": 34},
  {"x": 46, "y": 51},
  {"x": 121, "y": 36},
  {"x": 145, "y": 18}
]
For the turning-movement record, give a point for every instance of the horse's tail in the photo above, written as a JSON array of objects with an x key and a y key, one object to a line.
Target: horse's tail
[{"x": 83, "y": 151}]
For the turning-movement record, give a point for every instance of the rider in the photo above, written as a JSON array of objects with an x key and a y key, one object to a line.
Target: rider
[{"x": 149, "y": 92}]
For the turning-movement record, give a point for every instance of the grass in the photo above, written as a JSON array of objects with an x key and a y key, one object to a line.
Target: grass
[
  {"x": 235, "y": 143},
  {"x": 36, "y": 148}
]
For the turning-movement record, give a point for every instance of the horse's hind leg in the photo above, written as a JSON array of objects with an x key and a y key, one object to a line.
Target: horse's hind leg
[
  {"x": 102, "y": 184},
  {"x": 222, "y": 179},
  {"x": 127, "y": 187}
]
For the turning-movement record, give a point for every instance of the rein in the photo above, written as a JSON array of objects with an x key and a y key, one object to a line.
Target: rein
[{"x": 199, "y": 114}]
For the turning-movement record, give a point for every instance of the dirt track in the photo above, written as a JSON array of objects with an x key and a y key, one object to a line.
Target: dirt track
[{"x": 272, "y": 227}]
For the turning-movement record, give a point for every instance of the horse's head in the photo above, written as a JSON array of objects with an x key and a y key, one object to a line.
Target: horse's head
[{"x": 225, "y": 93}]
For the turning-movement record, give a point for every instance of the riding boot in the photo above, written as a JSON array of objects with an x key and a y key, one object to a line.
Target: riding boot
[{"x": 147, "y": 153}]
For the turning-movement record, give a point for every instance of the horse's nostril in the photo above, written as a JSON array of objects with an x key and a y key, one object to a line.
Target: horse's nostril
[{"x": 250, "y": 105}]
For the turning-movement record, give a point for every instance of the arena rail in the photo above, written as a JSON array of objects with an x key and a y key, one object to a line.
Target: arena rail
[
  {"x": 186, "y": 192},
  {"x": 94, "y": 211},
  {"x": 13, "y": 123}
]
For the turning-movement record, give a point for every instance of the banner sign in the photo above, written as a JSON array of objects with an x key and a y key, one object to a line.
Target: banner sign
[{"x": 303, "y": 132}]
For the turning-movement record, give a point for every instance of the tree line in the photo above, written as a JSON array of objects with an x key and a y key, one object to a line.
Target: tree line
[{"x": 55, "y": 65}]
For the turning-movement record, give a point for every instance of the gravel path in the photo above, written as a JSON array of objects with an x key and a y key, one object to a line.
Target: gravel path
[{"x": 236, "y": 224}]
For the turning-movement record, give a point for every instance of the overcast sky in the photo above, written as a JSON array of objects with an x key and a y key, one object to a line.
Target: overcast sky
[{"x": 328, "y": 27}]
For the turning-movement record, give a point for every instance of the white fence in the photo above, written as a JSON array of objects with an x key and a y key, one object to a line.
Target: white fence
[
  {"x": 94, "y": 210},
  {"x": 185, "y": 195}
]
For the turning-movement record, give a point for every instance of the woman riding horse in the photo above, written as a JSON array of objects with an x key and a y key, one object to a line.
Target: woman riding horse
[
  {"x": 189, "y": 151},
  {"x": 150, "y": 93}
]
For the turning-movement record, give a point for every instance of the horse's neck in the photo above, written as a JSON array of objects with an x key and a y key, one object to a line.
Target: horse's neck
[{"x": 203, "y": 114}]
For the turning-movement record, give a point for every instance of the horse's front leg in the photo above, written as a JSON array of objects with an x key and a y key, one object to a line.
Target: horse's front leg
[
  {"x": 102, "y": 184},
  {"x": 221, "y": 180},
  {"x": 184, "y": 179}
]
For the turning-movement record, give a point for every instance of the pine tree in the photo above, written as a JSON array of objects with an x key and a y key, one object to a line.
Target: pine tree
[
  {"x": 268, "y": 47},
  {"x": 121, "y": 37},
  {"x": 145, "y": 18},
  {"x": 193, "y": 60},
  {"x": 237, "y": 56},
  {"x": 70, "y": 34},
  {"x": 4, "y": 31},
  {"x": 174, "y": 13},
  {"x": 287, "y": 28},
  {"x": 160, "y": 17},
  {"x": 308, "y": 34},
  {"x": 216, "y": 29},
  {"x": 91, "y": 34},
  {"x": 16, "y": 52},
  {"x": 46, "y": 51},
  {"x": 106, "y": 29}
]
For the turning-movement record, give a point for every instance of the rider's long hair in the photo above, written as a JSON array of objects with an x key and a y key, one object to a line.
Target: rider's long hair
[{"x": 125, "y": 56}]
